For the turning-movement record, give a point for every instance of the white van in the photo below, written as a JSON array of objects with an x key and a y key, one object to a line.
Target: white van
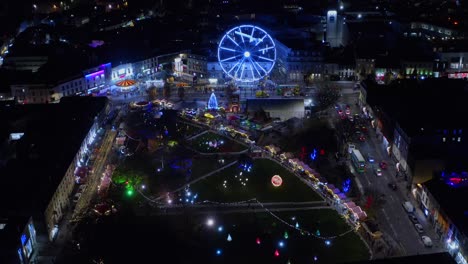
[{"x": 408, "y": 207}]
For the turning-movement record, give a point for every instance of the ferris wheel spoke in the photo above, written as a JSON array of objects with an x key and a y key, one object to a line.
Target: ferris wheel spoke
[
  {"x": 260, "y": 66},
  {"x": 240, "y": 66},
  {"x": 233, "y": 50},
  {"x": 242, "y": 71},
  {"x": 263, "y": 50},
  {"x": 235, "y": 65},
  {"x": 230, "y": 58},
  {"x": 233, "y": 41},
  {"x": 264, "y": 58},
  {"x": 260, "y": 40},
  {"x": 255, "y": 67},
  {"x": 251, "y": 69}
]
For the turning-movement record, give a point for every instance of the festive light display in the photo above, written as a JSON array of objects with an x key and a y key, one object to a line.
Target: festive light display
[
  {"x": 286, "y": 236},
  {"x": 276, "y": 180},
  {"x": 210, "y": 222},
  {"x": 258, "y": 241},
  {"x": 246, "y": 53},
  {"x": 213, "y": 102},
  {"x": 277, "y": 253},
  {"x": 229, "y": 238}
]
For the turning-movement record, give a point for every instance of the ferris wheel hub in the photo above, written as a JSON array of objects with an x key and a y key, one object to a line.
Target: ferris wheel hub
[{"x": 246, "y": 54}]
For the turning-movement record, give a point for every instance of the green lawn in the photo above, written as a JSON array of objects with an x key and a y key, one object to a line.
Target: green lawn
[
  {"x": 223, "y": 144},
  {"x": 175, "y": 172},
  {"x": 188, "y": 130},
  {"x": 186, "y": 238},
  {"x": 258, "y": 185}
]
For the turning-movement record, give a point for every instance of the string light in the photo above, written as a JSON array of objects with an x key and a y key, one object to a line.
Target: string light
[{"x": 304, "y": 232}]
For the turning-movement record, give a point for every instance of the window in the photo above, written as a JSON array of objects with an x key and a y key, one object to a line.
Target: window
[
  {"x": 459, "y": 139},
  {"x": 443, "y": 139}
]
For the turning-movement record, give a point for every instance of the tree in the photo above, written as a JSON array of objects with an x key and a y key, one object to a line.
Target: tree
[
  {"x": 181, "y": 93},
  {"x": 327, "y": 96},
  {"x": 167, "y": 90},
  {"x": 152, "y": 93},
  {"x": 388, "y": 77},
  {"x": 126, "y": 176}
]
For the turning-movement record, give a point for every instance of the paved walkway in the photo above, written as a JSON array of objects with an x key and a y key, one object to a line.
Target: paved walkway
[{"x": 243, "y": 210}]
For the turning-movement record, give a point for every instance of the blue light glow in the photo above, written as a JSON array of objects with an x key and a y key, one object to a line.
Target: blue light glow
[
  {"x": 23, "y": 239},
  {"x": 94, "y": 74},
  {"x": 220, "y": 229},
  {"x": 219, "y": 252},
  {"x": 313, "y": 155},
  {"x": 213, "y": 102},
  {"x": 327, "y": 242},
  {"x": 281, "y": 244},
  {"x": 346, "y": 185},
  {"x": 247, "y": 53}
]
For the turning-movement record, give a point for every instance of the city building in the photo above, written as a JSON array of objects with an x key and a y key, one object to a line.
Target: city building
[
  {"x": 448, "y": 219},
  {"x": 24, "y": 63},
  {"x": 414, "y": 138},
  {"x": 42, "y": 145},
  {"x": 336, "y": 29}
]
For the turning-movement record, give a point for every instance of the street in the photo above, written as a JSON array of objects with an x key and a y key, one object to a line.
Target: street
[{"x": 392, "y": 219}]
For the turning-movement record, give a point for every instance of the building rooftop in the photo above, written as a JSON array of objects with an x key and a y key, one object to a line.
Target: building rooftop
[
  {"x": 53, "y": 134},
  {"x": 449, "y": 199},
  {"x": 10, "y": 231},
  {"x": 417, "y": 104}
]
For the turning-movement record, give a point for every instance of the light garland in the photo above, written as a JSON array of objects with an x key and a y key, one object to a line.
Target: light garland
[{"x": 295, "y": 226}]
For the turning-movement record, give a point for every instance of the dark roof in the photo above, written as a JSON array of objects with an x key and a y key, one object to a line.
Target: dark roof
[
  {"x": 53, "y": 134},
  {"x": 416, "y": 103},
  {"x": 449, "y": 200},
  {"x": 426, "y": 258},
  {"x": 277, "y": 104},
  {"x": 10, "y": 237}
]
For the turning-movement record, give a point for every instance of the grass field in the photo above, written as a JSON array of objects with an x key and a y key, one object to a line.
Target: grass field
[
  {"x": 257, "y": 186},
  {"x": 221, "y": 144}
]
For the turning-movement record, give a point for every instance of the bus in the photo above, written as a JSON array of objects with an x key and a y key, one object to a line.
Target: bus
[{"x": 358, "y": 160}]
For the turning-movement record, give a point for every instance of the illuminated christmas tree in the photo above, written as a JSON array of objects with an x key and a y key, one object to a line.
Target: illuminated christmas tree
[{"x": 212, "y": 102}]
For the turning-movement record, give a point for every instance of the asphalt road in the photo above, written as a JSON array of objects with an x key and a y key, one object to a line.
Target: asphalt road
[{"x": 391, "y": 217}]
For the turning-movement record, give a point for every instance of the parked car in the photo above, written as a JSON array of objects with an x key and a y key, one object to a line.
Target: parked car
[
  {"x": 408, "y": 207},
  {"x": 419, "y": 228},
  {"x": 413, "y": 219},
  {"x": 370, "y": 158},
  {"x": 426, "y": 241}
]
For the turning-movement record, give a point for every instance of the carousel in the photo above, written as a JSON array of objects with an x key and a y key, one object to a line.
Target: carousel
[{"x": 126, "y": 85}]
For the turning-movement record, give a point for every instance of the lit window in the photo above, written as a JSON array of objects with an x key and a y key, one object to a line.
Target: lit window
[
  {"x": 443, "y": 139},
  {"x": 459, "y": 139}
]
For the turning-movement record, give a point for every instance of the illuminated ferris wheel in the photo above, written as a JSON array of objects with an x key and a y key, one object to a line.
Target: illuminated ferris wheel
[{"x": 246, "y": 53}]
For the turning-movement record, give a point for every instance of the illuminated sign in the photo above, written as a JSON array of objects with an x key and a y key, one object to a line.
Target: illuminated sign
[
  {"x": 16, "y": 136},
  {"x": 94, "y": 74},
  {"x": 121, "y": 71},
  {"x": 276, "y": 180}
]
